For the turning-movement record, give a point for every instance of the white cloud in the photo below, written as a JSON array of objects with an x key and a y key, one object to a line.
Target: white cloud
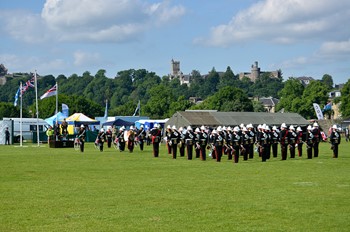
[
  {"x": 84, "y": 58},
  {"x": 335, "y": 48},
  {"x": 89, "y": 20},
  {"x": 285, "y": 21}
]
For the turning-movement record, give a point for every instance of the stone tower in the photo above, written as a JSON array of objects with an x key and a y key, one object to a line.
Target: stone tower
[
  {"x": 175, "y": 68},
  {"x": 255, "y": 73}
]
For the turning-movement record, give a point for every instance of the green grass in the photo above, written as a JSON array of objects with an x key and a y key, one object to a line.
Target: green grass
[{"x": 45, "y": 189}]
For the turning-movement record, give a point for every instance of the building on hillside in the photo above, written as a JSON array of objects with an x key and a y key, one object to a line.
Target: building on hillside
[
  {"x": 197, "y": 118},
  {"x": 269, "y": 103},
  {"x": 255, "y": 73},
  {"x": 176, "y": 73},
  {"x": 305, "y": 80}
]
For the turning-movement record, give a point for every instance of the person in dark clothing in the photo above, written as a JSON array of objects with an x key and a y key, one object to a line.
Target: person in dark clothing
[
  {"x": 141, "y": 136},
  {"x": 156, "y": 135},
  {"x": 7, "y": 136},
  {"x": 284, "y": 141},
  {"x": 309, "y": 139},
  {"x": 317, "y": 135},
  {"x": 81, "y": 137},
  {"x": 101, "y": 138},
  {"x": 334, "y": 139}
]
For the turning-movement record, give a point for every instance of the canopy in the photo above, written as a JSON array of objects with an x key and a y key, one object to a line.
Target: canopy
[
  {"x": 118, "y": 122},
  {"x": 52, "y": 120},
  {"x": 79, "y": 118}
]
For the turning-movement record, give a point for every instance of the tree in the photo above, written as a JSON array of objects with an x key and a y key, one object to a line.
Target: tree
[
  {"x": 8, "y": 110},
  {"x": 292, "y": 91},
  {"x": 345, "y": 100},
  {"x": 328, "y": 81},
  {"x": 227, "y": 99}
]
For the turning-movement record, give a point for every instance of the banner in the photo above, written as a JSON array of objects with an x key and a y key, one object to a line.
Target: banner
[
  {"x": 65, "y": 110},
  {"x": 318, "y": 111}
]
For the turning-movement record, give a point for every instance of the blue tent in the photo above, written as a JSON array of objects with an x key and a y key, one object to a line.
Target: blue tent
[
  {"x": 52, "y": 120},
  {"x": 118, "y": 122}
]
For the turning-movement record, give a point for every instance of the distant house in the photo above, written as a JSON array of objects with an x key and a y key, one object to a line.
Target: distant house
[
  {"x": 334, "y": 94},
  {"x": 269, "y": 103},
  {"x": 305, "y": 80}
]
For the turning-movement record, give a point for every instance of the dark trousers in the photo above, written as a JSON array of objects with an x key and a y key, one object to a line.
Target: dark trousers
[
  {"x": 245, "y": 151},
  {"x": 218, "y": 151},
  {"x": 189, "y": 151},
  {"x": 203, "y": 152},
  {"x": 131, "y": 146},
  {"x": 268, "y": 151},
  {"x": 7, "y": 140},
  {"x": 100, "y": 144},
  {"x": 264, "y": 151},
  {"x": 121, "y": 146},
  {"x": 300, "y": 149},
  {"x": 169, "y": 147},
  {"x": 251, "y": 151},
  {"x": 155, "y": 149},
  {"x": 274, "y": 149},
  {"x": 109, "y": 142},
  {"x": 174, "y": 150},
  {"x": 284, "y": 148},
  {"x": 316, "y": 149},
  {"x": 82, "y": 146},
  {"x": 141, "y": 144},
  {"x": 292, "y": 150},
  {"x": 182, "y": 150},
  {"x": 236, "y": 153},
  {"x": 335, "y": 150},
  {"x": 229, "y": 153},
  {"x": 309, "y": 150},
  {"x": 198, "y": 152}
]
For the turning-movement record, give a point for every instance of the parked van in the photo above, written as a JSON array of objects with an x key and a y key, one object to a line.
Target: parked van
[{"x": 29, "y": 125}]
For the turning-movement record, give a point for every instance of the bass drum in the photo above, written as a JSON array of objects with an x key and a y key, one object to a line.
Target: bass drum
[{"x": 126, "y": 135}]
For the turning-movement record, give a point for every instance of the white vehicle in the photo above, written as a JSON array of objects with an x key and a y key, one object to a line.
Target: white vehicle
[{"x": 29, "y": 125}]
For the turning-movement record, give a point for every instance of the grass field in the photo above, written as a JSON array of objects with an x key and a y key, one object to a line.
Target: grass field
[{"x": 46, "y": 189}]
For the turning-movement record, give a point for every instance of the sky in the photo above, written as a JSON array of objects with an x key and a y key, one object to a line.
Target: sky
[{"x": 302, "y": 38}]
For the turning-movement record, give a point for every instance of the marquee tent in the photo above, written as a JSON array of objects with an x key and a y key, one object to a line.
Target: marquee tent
[
  {"x": 52, "y": 120},
  {"x": 79, "y": 118},
  {"x": 118, "y": 122}
]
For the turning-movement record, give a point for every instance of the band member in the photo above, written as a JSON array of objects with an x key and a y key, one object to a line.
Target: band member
[
  {"x": 203, "y": 140},
  {"x": 284, "y": 141},
  {"x": 81, "y": 137},
  {"x": 334, "y": 139},
  {"x": 182, "y": 142},
  {"x": 121, "y": 139},
  {"x": 156, "y": 134},
  {"x": 109, "y": 137},
  {"x": 229, "y": 143},
  {"x": 251, "y": 134},
  {"x": 114, "y": 133},
  {"x": 245, "y": 143},
  {"x": 269, "y": 142},
  {"x": 64, "y": 129},
  {"x": 274, "y": 141},
  {"x": 57, "y": 131},
  {"x": 218, "y": 143},
  {"x": 141, "y": 135},
  {"x": 299, "y": 142},
  {"x": 168, "y": 136},
  {"x": 317, "y": 135},
  {"x": 292, "y": 141},
  {"x": 101, "y": 138},
  {"x": 131, "y": 139},
  {"x": 263, "y": 141},
  {"x": 189, "y": 138},
  {"x": 174, "y": 140},
  {"x": 309, "y": 142},
  {"x": 258, "y": 137},
  {"x": 197, "y": 147},
  {"x": 236, "y": 141}
]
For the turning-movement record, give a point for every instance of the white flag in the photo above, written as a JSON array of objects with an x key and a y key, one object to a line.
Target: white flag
[
  {"x": 50, "y": 92},
  {"x": 318, "y": 111}
]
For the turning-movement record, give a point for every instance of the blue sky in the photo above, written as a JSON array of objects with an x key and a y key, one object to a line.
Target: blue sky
[{"x": 302, "y": 38}]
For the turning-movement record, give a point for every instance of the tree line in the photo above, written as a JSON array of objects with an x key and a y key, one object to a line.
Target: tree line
[{"x": 161, "y": 97}]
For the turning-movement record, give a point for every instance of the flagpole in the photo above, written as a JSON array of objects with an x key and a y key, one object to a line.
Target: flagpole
[
  {"x": 139, "y": 108},
  {"x": 56, "y": 112},
  {"x": 37, "y": 108},
  {"x": 20, "y": 117}
]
